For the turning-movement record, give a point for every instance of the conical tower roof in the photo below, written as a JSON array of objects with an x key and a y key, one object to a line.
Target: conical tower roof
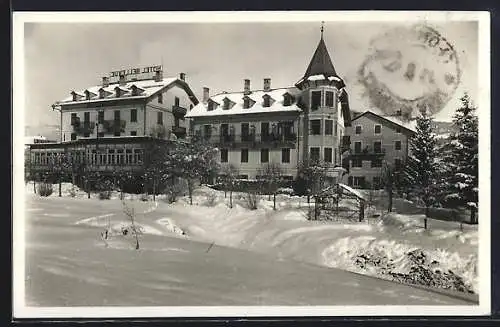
[{"x": 321, "y": 63}]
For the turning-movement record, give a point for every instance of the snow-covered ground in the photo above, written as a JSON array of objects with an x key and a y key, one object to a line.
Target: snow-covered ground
[{"x": 393, "y": 247}]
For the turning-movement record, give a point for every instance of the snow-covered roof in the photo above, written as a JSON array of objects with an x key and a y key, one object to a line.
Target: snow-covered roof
[
  {"x": 150, "y": 87},
  {"x": 276, "y": 105},
  {"x": 352, "y": 191},
  {"x": 409, "y": 125}
]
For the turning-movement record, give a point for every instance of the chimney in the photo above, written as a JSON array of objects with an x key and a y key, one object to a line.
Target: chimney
[
  {"x": 206, "y": 94},
  {"x": 122, "y": 80},
  {"x": 105, "y": 81},
  {"x": 182, "y": 76},
  {"x": 158, "y": 76},
  {"x": 267, "y": 84},
  {"x": 246, "y": 88}
]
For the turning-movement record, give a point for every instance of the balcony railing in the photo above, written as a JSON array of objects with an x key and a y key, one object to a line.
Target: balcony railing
[
  {"x": 250, "y": 140},
  {"x": 367, "y": 151},
  {"x": 83, "y": 127},
  {"x": 178, "y": 111},
  {"x": 113, "y": 126}
]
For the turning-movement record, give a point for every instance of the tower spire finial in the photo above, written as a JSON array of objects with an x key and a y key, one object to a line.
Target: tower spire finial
[{"x": 322, "y": 28}]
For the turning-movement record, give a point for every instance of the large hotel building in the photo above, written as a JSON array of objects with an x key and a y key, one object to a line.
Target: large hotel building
[{"x": 107, "y": 127}]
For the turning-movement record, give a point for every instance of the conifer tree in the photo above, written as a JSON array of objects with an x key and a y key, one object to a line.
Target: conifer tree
[
  {"x": 421, "y": 168},
  {"x": 461, "y": 158}
]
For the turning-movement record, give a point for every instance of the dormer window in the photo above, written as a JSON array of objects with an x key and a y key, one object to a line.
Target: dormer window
[
  {"x": 227, "y": 104},
  {"x": 135, "y": 90},
  {"x": 247, "y": 102},
  {"x": 102, "y": 93},
  {"x": 118, "y": 92},
  {"x": 74, "y": 96},
  {"x": 287, "y": 99},
  {"x": 211, "y": 105},
  {"x": 267, "y": 100}
]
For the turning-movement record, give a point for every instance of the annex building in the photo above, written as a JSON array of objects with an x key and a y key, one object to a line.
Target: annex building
[{"x": 106, "y": 127}]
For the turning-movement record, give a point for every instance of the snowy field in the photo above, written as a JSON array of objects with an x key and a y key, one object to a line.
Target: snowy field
[{"x": 209, "y": 254}]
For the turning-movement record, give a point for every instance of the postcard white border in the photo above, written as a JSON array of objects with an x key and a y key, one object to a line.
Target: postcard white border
[{"x": 20, "y": 310}]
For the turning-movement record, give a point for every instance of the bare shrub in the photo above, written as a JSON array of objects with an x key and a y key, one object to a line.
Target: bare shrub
[
  {"x": 104, "y": 195},
  {"x": 72, "y": 191},
  {"x": 132, "y": 229},
  {"x": 211, "y": 199},
  {"x": 252, "y": 200},
  {"x": 175, "y": 190},
  {"x": 45, "y": 189}
]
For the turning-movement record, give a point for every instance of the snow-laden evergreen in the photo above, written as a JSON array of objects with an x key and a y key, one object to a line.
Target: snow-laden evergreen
[
  {"x": 422, "y": 167},
  {"x": 460, "y": 160}
]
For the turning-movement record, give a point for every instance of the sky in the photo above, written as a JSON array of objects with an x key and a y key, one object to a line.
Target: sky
[{"x": 61, "y": 57}]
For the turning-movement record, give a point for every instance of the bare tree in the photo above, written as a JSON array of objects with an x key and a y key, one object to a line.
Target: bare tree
[
  {"x": 130, "y": 213},
  {"x": 229, "y": 174},
  {"x": 272, "y": 175},
  {"x": 314, "y": 173}
]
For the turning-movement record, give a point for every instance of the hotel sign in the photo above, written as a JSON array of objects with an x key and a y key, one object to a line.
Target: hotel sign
[{"x": 135, "y": 71}]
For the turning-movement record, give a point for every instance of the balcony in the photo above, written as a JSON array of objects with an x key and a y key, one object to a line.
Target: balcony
[
  {"x": 179, "y": 112},
  {"x": 366, "y": 152},
  {"x": 87, "y": 127},
  {"x": 250, "y": 140},
  {"x": 113, "y": 126}
]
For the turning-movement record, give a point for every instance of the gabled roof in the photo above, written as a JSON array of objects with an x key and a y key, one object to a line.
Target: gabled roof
[
  {"x": 407, "y": 127},
  {"x": 201, "y": 109},
  {"x": 150, "y": 87}
]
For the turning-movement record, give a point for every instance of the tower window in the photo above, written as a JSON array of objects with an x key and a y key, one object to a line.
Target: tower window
[
  {"x": 329, "y": 99},
  {"x": 328, "y": 127},
  {"x": 177, "y": 101},
  {"x": 160, "y": 97},
  {"x": 316, "y": 127},
  {"x": 328, "y": 154},
  {"x": 378, "y": 129},
  {"x": 315, "y": 100}
]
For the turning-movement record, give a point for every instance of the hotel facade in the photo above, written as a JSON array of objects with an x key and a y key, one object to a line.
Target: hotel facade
[{"x": 285, "y": 126}]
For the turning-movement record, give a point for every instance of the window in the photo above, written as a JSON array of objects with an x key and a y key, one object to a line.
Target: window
[
  {"x": 244, "y": 155},
  {"x": 315, "y": 100},
  {"x": 359, "y": 181},
  {"x": 73, "y": 136},
  {"x": 378, "y": 129},
  {"x": 315, "y": 127},
  {"x": 376, "y": 182},
  {"x": 328, "y": 154},
  {"x": 159, "y": 118},
  {"x": 357, "y": 163},
  {"x": 246, "y": 103},
  {"x": 397, "y": 164},
  {"x": 227, "y": 104},
  {"x": 128, "y": 156},
  {"x": 245, "y": 131},
  {"x": 224, "y": 155},
  {"x": 377, "y": 147},
  {"x": 376, "y": 163},
  {"x": 133, "y": 133},
  {"x": 207, "y": 131},
  {"x": 117, "y": 115},
  {"x": 160, "y": 97},
  {"x": 357, "y": 147},
  {"x": 100, "y": 116},
  {"x": 133, "y": 115},
  {"x": 358, "y": 129},
  {"x": 329, "y": 98},
  {"x": 86, "y": 116},
  {"x": 116, "y": 133},
  {"x": 335, "y": 156},
  {"x": 111, "y": 157},
  {"x": 398, "y": 130},
  {"x": 100, "y": 134},
  {"x": 86, "y": 134},
  {"x": 335, "y": 129},
  {"x": 267, "y": 101},
  {"x": 177, "y": 101},
  {"x": 285, "y": 155},
  {"x": 211, "y": 105},
  {"x": 287, "y": 100},
  {"x": 328, "y": 127},
  {"x": 264, "y": 155},
  {"x": 119, "y": 157},
  {"x": 314, "y": 153},
  {"x": 397, "y": 145},
  {"x": 264, "y": 130}
]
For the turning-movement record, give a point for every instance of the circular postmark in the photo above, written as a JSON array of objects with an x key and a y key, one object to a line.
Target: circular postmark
[{"x": 409, "y": 69}]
